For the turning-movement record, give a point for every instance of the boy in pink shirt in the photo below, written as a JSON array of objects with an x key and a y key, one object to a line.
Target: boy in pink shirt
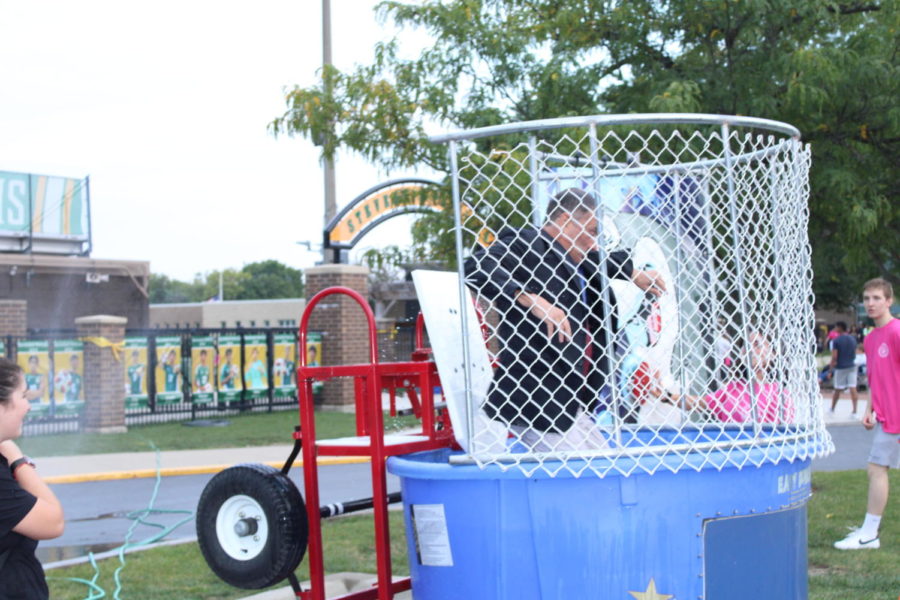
[{"x": 882, "y": 347}]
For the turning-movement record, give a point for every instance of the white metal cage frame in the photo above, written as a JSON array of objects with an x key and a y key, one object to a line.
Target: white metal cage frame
[{"x": 567, "y": 232}]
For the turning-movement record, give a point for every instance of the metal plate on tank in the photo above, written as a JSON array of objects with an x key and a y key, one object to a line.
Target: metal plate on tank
[{"x": 756, "y": 556}]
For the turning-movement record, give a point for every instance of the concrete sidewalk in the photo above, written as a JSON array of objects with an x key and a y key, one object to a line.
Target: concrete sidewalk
[{"x": 131, "y": 465}]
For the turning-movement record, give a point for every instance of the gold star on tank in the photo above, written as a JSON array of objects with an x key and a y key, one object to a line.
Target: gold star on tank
[{"x": 650, "y": 593}]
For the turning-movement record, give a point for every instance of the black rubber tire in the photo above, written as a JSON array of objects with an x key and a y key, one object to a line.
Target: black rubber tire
[{"x": 285, "y": 513}]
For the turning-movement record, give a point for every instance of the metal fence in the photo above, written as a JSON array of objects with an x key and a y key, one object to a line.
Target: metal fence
[
  {"x": 169, "y": 375},
  {"x": 594, "y": 367}
]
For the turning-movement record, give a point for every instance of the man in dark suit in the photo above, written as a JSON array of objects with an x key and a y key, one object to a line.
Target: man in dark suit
[{"x": 547, "y": 286}]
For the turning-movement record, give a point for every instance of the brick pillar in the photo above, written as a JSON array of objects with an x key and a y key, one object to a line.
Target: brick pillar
[
  {"x": 104, "y": 376},
  {"x": 343, "y": 325}
]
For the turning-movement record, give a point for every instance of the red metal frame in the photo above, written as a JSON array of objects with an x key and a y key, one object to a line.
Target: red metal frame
[{"x": 369, "y": 381}]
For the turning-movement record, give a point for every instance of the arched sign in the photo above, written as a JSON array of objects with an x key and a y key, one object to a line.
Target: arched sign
[{"x": 378, "y": 204}]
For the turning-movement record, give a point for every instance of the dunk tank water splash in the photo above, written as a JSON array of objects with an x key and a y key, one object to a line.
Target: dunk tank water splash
[{"x": 618, "y": 442}]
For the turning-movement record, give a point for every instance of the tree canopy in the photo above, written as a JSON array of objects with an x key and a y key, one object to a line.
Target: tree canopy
[
  {"x": 829, "y": 67},
  {"x": 255, "y": 281}
]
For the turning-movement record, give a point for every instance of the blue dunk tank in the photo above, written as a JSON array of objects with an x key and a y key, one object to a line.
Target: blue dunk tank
[{"x": 626, "y": 354}]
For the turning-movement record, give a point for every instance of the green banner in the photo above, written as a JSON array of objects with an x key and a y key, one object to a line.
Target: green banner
[
  {"x": 68, "y": 375},
  {"x": 284, "y": 366},
  {"x": 136, "y": 395},
  {"x": 256, "y": 375},
  {"x": 203, "y": 352},
  {"x": 34, "y": 358},
  {"x": 168, "y": 370},
  {"x": 228, "y": 373}
]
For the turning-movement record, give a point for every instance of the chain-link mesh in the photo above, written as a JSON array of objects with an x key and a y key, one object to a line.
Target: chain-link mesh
[{"x": 645, "y": 296}]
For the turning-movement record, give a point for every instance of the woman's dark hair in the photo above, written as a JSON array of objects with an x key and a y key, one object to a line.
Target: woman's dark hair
[
  {"x": 740, "y": 366},
  {"x": 10, "y": 376}
]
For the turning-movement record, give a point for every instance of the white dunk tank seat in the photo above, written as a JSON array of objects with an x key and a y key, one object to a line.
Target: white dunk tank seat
[{"x": 439, "y": 299}]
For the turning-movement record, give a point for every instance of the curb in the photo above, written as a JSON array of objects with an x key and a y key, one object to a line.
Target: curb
[{"x": 197, "y": 470}]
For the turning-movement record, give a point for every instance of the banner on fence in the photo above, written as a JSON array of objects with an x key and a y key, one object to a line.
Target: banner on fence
[
  {"x": 285, "y": 365},
  {"x": 34, "y": 358},
  {"x": 168, "y": 370},
  {"x": 314, "y": 355},
  {"x": 203, "y": 350},
  {"x": 68, "y": 375},
  {"x": 256, "y": 376},
  {"x": 136, "y": 394},
  {"x": 230, "y": 383}
]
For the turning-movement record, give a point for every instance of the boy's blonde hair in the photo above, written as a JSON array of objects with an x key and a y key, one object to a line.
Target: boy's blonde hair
[{"x": 882, "y": 284}]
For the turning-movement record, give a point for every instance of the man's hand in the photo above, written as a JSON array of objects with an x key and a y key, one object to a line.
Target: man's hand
[
  {"x": 649, "y": 281},
  {"x": 868, "y": 419},
  {"x": 554, "y": 319}
]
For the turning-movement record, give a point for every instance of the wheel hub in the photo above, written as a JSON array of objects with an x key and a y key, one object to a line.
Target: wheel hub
[{"x": 241, "y": 527}]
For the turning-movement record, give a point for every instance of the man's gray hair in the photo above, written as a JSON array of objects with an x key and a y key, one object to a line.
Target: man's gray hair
[{"x": 571, "y": 201}]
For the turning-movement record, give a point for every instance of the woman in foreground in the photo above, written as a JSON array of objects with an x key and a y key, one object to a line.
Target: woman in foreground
[{"x": 29, "y": 511}]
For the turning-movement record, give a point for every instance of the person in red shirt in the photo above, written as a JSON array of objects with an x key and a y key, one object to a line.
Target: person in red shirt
[{"x": 882, "y": 347}]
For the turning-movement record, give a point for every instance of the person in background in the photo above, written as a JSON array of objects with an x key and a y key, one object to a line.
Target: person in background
[
  {"x": 34, "y": 379},
  {"x": 882, "y": 347},
  {"x": 229, "y": 371},
  {"x": 171, "y": 370},
  {"x": 256, "y": 371},
  {"x": 202, "y": 374},
  {"x": 312, "y": 356},
  {"x": 843, "y": 366},
  {"x": 288, "y": 367},
  {"x": 29, "y": 510},
  {"x": 136, "y": 374},
  {"x": 740, "y": 398},
  {"x": 74, "y": 380}
]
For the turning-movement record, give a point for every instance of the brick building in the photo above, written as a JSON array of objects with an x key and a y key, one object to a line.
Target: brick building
[
  {"x": 281, "y": 312},
  {"x": 56, "y": 290}
]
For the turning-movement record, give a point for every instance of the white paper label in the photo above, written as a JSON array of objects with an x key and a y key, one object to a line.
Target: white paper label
[{"x": 432, "y": 539}]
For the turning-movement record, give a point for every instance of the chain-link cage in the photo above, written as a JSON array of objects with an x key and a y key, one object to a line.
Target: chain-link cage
[{"x": 643, "y": 286}]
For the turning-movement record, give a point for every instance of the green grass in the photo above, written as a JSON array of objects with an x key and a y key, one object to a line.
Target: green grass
[
  {"x": 261, "y": 429},
  {"x": 348, "y": 543},
  {"x": 838, "y": 501}
]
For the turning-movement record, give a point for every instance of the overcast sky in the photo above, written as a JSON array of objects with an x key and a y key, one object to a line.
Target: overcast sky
[{"x": 165, "y": 105}]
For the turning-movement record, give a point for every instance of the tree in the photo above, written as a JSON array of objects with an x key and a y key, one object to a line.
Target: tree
[
  {"x": 270, "y": 279},
  {"x": 164, "y": 290},
  {"x": 232, "y": 284},
  {"x": 830, "y": 67},
  {"x": 263, "y": 280}
]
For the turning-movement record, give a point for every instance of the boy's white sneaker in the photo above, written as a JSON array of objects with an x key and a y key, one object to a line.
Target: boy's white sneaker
[{"x": 854, "y": 541}]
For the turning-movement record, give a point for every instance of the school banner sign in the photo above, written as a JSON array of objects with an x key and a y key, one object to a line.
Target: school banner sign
[
  {"x": 256, "y": 376},
  {"x": 378, "y": 204},
  {"x": 68, "y": 375},
  {"x": 43, "y": 213},
  {"x": 203, "y": 353},
  {"x": 136, "y": 359},
  {"x": 229, "y": 380},
  {"x": 284, "y": 347}
]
